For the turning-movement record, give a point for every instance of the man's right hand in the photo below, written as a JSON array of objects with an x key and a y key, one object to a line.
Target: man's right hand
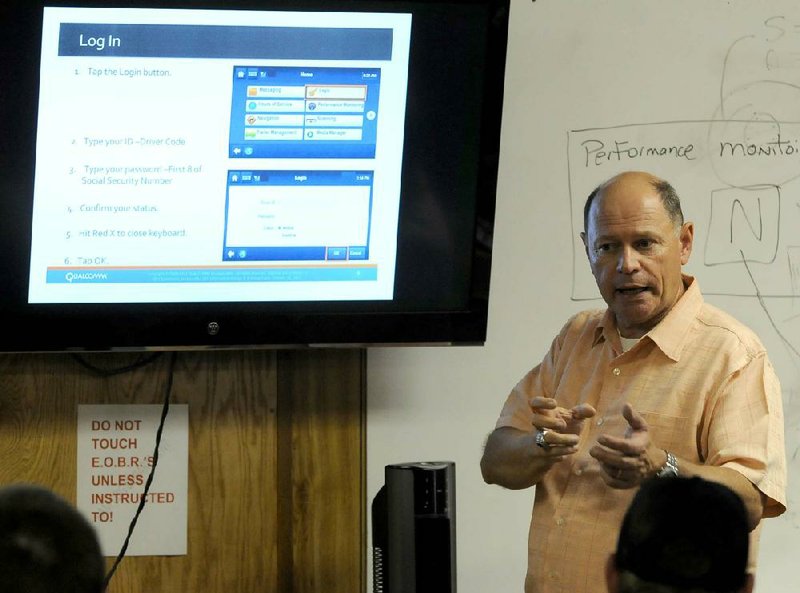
[
  {"x": 562, "y": 426},
  {"x": 511, "y": 457}
]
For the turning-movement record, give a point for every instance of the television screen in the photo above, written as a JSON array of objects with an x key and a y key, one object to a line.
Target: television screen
[{"x": 248, "y": 172}]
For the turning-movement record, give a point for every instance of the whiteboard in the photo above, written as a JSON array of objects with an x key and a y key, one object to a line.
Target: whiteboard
[{"x": 703, "y": 94}]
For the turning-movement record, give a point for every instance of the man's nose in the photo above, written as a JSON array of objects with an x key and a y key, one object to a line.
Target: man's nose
[{"x": 628, "y": 261}]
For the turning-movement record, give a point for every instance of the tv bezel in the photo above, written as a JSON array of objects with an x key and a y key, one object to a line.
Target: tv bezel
[{"x": 167, "y": 326}]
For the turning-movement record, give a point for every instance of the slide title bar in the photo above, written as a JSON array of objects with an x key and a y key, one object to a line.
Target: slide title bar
[{"x": 216, "y": 41}]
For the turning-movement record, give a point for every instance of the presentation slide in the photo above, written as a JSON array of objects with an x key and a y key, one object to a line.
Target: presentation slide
[{"x": 218, "y": 156}]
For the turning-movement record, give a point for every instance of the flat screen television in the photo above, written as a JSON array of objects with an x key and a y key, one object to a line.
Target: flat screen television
[{"x": 247, "y": 173}]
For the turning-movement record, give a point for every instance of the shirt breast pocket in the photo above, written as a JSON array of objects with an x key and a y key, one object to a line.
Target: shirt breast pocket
[{"x": 676, "y": 434}]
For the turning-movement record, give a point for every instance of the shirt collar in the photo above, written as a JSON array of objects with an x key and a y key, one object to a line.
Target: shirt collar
[
  {"x": 671, "y": 333},
  {"x": 606, "y": 330}
]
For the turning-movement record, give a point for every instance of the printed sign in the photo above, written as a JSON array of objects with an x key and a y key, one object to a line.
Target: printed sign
[{"x": 115, "y": 456}]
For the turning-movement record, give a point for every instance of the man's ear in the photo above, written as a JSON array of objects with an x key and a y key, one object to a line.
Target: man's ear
[
  {"x": 585, "y": 244},
  {"x": 686, "y": 238},
  {"x": 612, "y": 576}
]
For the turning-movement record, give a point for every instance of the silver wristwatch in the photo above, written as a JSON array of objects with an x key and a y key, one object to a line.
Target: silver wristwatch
[{"x": 670, "y": 467}]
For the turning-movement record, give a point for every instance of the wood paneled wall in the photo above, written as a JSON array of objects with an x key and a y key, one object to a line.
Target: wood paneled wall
[{"x": 276, "y": 461}]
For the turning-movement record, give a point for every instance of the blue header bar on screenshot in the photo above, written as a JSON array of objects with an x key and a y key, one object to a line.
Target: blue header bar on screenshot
[{"x": 216, "y": 41}]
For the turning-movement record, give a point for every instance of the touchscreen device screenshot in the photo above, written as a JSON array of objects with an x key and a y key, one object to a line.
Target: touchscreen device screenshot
[{"x": 248, "y": 156}]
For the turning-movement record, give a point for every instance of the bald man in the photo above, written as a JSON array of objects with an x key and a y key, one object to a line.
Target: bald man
[{"x": 658, "y": 384}]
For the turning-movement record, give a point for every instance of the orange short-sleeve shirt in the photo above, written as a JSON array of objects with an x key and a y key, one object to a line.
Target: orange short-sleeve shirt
[{"x": 708, "y": 392}]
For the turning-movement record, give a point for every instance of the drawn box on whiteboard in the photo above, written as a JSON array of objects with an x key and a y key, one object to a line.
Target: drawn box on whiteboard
[
  {"x": 743, "y": 225},
  {"x": 794, "y": 268}
]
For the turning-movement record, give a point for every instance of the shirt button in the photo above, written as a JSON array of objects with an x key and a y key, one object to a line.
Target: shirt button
[
  {"x": 616, "y": 371},
  {"x": 560, "y": 521},
  {"x": 578, "y": 471},
  {"x": 600, "y": 421}
]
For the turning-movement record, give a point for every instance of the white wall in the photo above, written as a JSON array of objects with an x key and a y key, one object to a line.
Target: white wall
[{"x": 574, "y": 65}]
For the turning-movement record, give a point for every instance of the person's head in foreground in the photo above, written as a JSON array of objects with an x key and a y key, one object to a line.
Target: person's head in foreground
[
  {"x": 682, "y": 535},
  {"x": 46, "y": 545}
]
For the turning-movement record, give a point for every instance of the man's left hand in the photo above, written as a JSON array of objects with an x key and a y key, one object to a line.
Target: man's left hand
[{"x": 626, "y": 462}]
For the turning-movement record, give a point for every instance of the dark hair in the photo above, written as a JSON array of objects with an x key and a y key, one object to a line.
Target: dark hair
[
  {"x": 669, "y": 198},
  {"x": 46, "y": 545},
  {"x": 686, "y": 533}
]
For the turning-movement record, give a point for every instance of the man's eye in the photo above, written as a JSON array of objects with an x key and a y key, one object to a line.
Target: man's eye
[{"x": 645, "y": 243}]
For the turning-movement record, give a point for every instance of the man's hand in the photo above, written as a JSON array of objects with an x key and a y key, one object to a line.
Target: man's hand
[
  {"x": 561, "y": 426},
  {"x": 513, "y": 459},
  {"x": 626, "y": 462}
]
